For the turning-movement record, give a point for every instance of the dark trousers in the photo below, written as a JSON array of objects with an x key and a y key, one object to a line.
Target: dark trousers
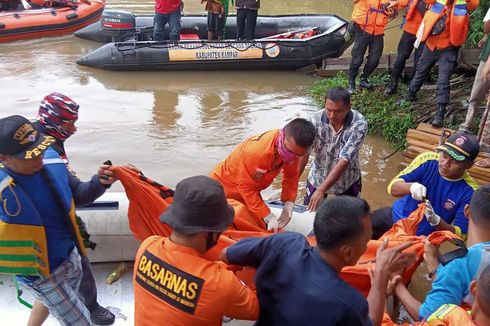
[
  {"x": 88, "y": 290},
  {"x": 362, "y": 42},
  {"x": 405, "y": 48},
  {"x": 382, "y": 221},
  {"x": 159, "y": 22},
  {"x": 447, "y": 62},
  {"x": 246, "y": 19}
]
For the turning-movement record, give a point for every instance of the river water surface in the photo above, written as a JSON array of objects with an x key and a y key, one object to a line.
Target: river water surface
[{"x": 171, "y": 124}]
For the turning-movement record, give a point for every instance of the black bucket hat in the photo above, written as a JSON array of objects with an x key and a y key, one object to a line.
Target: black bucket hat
[{"x": 199, "y": 206}]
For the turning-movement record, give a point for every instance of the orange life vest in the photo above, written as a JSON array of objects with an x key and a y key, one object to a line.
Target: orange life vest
[
  {"x": 446, "y": 315},
  {"x": 457, "y": 17},
  {"x": 369, "y": 15}
]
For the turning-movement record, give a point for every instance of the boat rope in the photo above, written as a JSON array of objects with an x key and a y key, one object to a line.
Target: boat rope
[
  {"x": 396, "y": 151},
  {"x": 217, "y": 45}
]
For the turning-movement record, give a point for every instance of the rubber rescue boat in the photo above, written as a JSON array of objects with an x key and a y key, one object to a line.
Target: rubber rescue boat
[
  {"x": 48, "y": 18},
  {"x": 282, "y": 42}
]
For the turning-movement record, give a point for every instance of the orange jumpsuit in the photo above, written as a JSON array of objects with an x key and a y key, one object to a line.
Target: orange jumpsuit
[
  {"x": 174, "y": 285},
  {"x": 251, "y": 167}
]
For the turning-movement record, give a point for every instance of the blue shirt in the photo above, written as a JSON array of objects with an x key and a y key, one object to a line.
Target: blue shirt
[
  {"x": 448, "y": 197},
  {"x": 295, "y": 286},
  {"x": 452, "y": 283},
  {"x": 58, "y": 236}
]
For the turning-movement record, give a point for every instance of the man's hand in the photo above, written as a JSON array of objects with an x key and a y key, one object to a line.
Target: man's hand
[
  {"x": 430, "y": 255},
  {"x": 481, "y": 43},
  {"x": 392, "y": 261},
  {"x": 430, "y": 215},
  {"x": 286, "y": 214},
  {"x": 272, "y": 222},
  {"x": 316, "y": 199},
  {"x": 106, "y": 176},
  {"x": 418, "y": 191}
]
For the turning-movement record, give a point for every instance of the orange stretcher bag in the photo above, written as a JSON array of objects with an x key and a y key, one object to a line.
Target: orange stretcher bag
[{"x": 149, "y": 199}]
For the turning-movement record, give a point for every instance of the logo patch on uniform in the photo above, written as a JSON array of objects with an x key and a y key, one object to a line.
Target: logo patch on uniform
[
  {"x": 258, "y": 174},
  {"x": 449, "y": 204},
  {"x": 172, "y": 285}
]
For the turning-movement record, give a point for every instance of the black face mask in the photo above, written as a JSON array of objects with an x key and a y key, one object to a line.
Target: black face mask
[{"x": 210, "y": 241}]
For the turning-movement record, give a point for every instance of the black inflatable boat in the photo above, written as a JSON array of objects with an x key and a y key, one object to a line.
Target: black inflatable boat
[{"x": 282, "y": 42}]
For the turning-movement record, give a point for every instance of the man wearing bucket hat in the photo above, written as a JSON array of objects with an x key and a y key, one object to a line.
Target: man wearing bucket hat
[
  {"x": 172, "y": 282},
  {"x": 439, "y": 178},
  {"x": 56, "y": 117},
  {"x": 38, "y": 195}
]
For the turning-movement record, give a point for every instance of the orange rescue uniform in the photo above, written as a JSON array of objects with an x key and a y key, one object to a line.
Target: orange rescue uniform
[
  {"x": 443, "y": 40},
  {"x": 251, "y": 167},
  {"x": 370, "y": 17},
  {"x": 174, "y": 285}
]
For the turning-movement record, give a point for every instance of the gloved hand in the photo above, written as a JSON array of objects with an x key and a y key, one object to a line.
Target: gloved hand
[
  {"x": 272, "y": 222},
  {"x": 286, "y": 214},
  {"x": 418, "y": 191},
  {"x": 430, "y": 215}
]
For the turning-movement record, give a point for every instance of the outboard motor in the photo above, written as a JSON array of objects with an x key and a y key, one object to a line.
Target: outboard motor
[{"x": 118, "y": 24}]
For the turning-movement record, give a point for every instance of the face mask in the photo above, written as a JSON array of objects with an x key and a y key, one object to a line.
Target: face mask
[
  {"x": 210, "y": 241},
  {"x": 286, "y": 156}
]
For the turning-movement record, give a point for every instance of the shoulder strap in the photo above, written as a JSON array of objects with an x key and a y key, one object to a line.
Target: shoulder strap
[{"x": 459, "y": 252}]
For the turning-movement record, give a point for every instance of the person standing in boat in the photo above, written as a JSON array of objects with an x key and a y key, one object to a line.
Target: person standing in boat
[
  {"x": 415, "y": 12},
  {"x": 167, "y": 11},
  {"x": 56, "y": 117},
  {"x": 216, "y": 18},
  {"x": 246, "y": 18},
  {"x": 370, "y": 18},
  {"x": 173, "y": 284},
  {"x": 340, "y": 132},
  {"x": 254, "y": 164},
  {"x": 38, "y": 195},
  {"x": 443, "y": 29},
  {"x": 439, "y": 178}
]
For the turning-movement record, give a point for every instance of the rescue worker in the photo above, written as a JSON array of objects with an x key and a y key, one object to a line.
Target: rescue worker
[
  {"x": 443, "y": 29},
  {"x": 370, "y": 18},
  {"x": 173, "y": 284},
  {"x": 415, "y": 12},
  {"x": 253, "y": 165},
  {"x": 440, "y": 177},
  {"x": 452, "y": 280},
  {"x": 37, "y": 212},
  {"x": 56, "y": 117}
]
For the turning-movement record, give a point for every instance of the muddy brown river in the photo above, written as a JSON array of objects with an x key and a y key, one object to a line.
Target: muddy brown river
[{"x": 172, "y": 124}]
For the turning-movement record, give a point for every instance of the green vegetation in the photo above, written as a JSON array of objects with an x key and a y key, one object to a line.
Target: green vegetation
[
  {"x": 476, "y": 24},
  {"x": 386, "y": 116}
]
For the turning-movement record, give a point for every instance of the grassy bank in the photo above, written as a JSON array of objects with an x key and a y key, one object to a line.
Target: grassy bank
[{"x": 391, "y": 117}]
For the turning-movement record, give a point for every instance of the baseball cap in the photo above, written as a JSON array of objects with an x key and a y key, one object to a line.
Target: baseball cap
[
  {"x": 19, "y": 138},
  {"x": 461, "y": 146}
]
